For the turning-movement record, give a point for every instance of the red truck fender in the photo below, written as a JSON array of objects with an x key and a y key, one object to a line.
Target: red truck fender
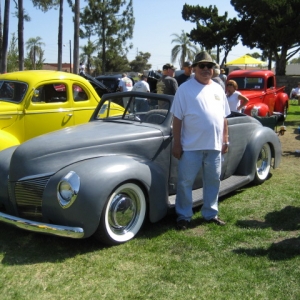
[
  {"x": 282, "y": 102},
  {"x": 257, "y": 109}
]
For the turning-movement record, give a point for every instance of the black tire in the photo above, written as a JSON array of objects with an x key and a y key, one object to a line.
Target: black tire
[
  {"x": 285, "y": 111},
  {"x": 123, "y": 215},
  {"x": 263, "y": 164}
]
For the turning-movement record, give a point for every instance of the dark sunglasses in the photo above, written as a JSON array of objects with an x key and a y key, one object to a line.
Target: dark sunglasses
[
  {"x": 208, "y": 66},
  {"x": 229, "y": 84}
]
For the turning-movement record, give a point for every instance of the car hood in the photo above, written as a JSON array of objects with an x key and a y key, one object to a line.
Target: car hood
[
  {"x": 51, "y": 152},
  {"x": 250, "y": 94}
]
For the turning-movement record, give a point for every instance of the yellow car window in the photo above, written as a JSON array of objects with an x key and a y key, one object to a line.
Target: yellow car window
[
  {"x": 50, "y": 93},
  {"x": 79, "y": 93}
]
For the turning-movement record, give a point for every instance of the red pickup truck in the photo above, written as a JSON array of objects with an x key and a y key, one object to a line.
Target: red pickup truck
[{"x": 259, "y": 86}]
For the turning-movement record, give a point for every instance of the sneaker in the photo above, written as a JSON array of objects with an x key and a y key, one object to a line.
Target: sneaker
[
  {"x": 182, "y": 225},
  {"x": 217, "y": 221}
]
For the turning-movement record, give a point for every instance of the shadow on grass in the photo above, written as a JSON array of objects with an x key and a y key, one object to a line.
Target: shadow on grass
[
  {"x": 282, "y": 250},
  {"x": 20, "y": 247},
  {"x": 287, "y": 219}
]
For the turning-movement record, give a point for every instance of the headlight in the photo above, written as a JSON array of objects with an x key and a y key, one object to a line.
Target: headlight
[
  {"x": 254, "y": 111},
  {"x": 67, "y": 189}
]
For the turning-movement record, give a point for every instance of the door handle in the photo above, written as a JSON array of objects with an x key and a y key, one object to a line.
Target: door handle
[{"x": 69, "y": 115}]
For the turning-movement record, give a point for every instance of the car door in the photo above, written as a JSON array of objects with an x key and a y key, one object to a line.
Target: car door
[
  {"x": 84, "y": 101},
  {"x": 48, "y": 108}
]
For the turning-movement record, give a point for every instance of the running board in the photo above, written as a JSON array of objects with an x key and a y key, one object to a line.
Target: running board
[{"x": 228, "y": 185}]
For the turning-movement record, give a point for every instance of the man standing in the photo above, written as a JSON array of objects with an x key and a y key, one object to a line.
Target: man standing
[
  {"x": 187, "y": 67},
  {"x": 141, "y": 86},
  {"x": 167, "y": 84},
  {"x": 216, "y": 76},
  {"x": 125, "y": 83},
  {"x": 200, "y": 133},
  {"x": 223, "y": 75}
]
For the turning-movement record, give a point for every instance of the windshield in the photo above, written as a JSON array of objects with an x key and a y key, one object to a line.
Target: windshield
[
  {"x": 12, "y": 91},
  {"x": 138, "y": 109},
  {"x": 249, "y": 83}
]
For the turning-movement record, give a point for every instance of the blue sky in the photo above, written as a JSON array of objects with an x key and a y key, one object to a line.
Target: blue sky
[{"x": 155, "y": 22}]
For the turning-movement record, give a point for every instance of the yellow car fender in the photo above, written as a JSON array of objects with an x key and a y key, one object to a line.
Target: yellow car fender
[{"x": 7, "y": 140}]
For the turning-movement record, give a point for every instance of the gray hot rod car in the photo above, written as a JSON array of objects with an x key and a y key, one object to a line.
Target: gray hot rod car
[{"x": 105, "y": 177}]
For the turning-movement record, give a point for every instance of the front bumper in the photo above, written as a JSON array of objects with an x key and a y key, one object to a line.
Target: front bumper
[{"x": 64, "y": 231}]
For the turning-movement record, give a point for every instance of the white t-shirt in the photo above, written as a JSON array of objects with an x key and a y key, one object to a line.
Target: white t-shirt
[
  {"x": 295, "y": 91},
  {"x": 233, "y": 101},
  {"x": 202, "y": 109},
  {"x": 126, "y": 84},
  {"x": 141, "y": 86}
]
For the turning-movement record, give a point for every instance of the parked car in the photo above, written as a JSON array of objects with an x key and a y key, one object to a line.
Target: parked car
[
  {"x": 265, "y": 98},
  {"x": 112, "y": 81},
  {"x": 99, "y": 87},
  {"x": 105, "y": 177},
  {"x": 36, "y": 102}
]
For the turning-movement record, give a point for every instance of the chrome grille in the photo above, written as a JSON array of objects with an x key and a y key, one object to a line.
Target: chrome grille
[{"x": 28, "y": 194}]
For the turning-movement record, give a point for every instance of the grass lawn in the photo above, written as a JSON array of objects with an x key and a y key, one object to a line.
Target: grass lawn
[{"x": 255, "y": 256}]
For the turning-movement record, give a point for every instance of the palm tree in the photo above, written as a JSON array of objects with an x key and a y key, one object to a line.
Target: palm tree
[
  {"x": 184, "y": 48},
  {"x": 34, "y": 46},
  {"x": 86, "y": 54}
]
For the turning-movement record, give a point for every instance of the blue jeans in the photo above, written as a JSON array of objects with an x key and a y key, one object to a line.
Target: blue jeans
[{"x": 190, "y": 163}]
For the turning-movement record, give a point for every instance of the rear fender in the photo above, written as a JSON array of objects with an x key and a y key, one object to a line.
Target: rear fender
[
  {"x": 282, "y": 101},
  {"x": 98, "y": 178},
  {"x": 247, "y": 165}
]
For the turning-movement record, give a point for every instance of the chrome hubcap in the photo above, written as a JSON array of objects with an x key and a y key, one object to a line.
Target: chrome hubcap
[{"x": 123, "y": 212}]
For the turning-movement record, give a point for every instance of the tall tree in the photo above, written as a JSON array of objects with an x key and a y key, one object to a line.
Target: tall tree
[
  {"x": 112, "y": 21},
  {"x": 22, "y": 16},
  {"x": 86, "y": 55},
  {"x": 274, "y": 28},
  {"x": 184, "y": 48},
  {"x": 212, "y": 30},
  {"x": 140, "y": 63},
  {"x": 45, "y": 5},
  {"x": 5, "y": 37},
  {"x": 21, "y": 34},
  {"x": 76, "y": 36},
  {"x": 60, "y": 35},
  {"x": 13, "y": 55},
  {"x": 34, "y": 46}
]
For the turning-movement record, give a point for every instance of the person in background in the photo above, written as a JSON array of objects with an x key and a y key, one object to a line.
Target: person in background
[
  {"x": 167, "y": 84},
  {"x": 188, "y": 70},
  {"x": 125, "y": 83},
  {"x": 223, "y": 75},
  {"x": 81, "y": 68},
  {"x": 295, "y": 92},
  {"x": 141, "y": 86},
  {"x": 216, "y": 77},
  {"x": 200, "y": 132},
  {"x": 235, "y": 99}
]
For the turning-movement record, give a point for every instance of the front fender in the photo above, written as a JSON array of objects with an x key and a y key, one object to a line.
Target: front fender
[
  {"x": 98, "y": 178},
  {"x": 5, "y": 157},
  {"x": 7, "y": 140},
  {"x": 261, "y": 136},
  {"x": 282, "y": 101}
]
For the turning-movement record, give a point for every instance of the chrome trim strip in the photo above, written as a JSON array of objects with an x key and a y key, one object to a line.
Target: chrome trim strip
[{"x": 59, "y": 230}]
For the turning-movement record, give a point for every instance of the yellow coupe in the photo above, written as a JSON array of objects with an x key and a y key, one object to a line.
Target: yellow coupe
[{"x": 37, "y": 102}]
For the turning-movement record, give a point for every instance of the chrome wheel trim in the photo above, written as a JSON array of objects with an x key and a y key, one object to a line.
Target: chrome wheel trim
[
  {"x": 263, "y": 163},
  {"x": 125, "y": 212}
]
